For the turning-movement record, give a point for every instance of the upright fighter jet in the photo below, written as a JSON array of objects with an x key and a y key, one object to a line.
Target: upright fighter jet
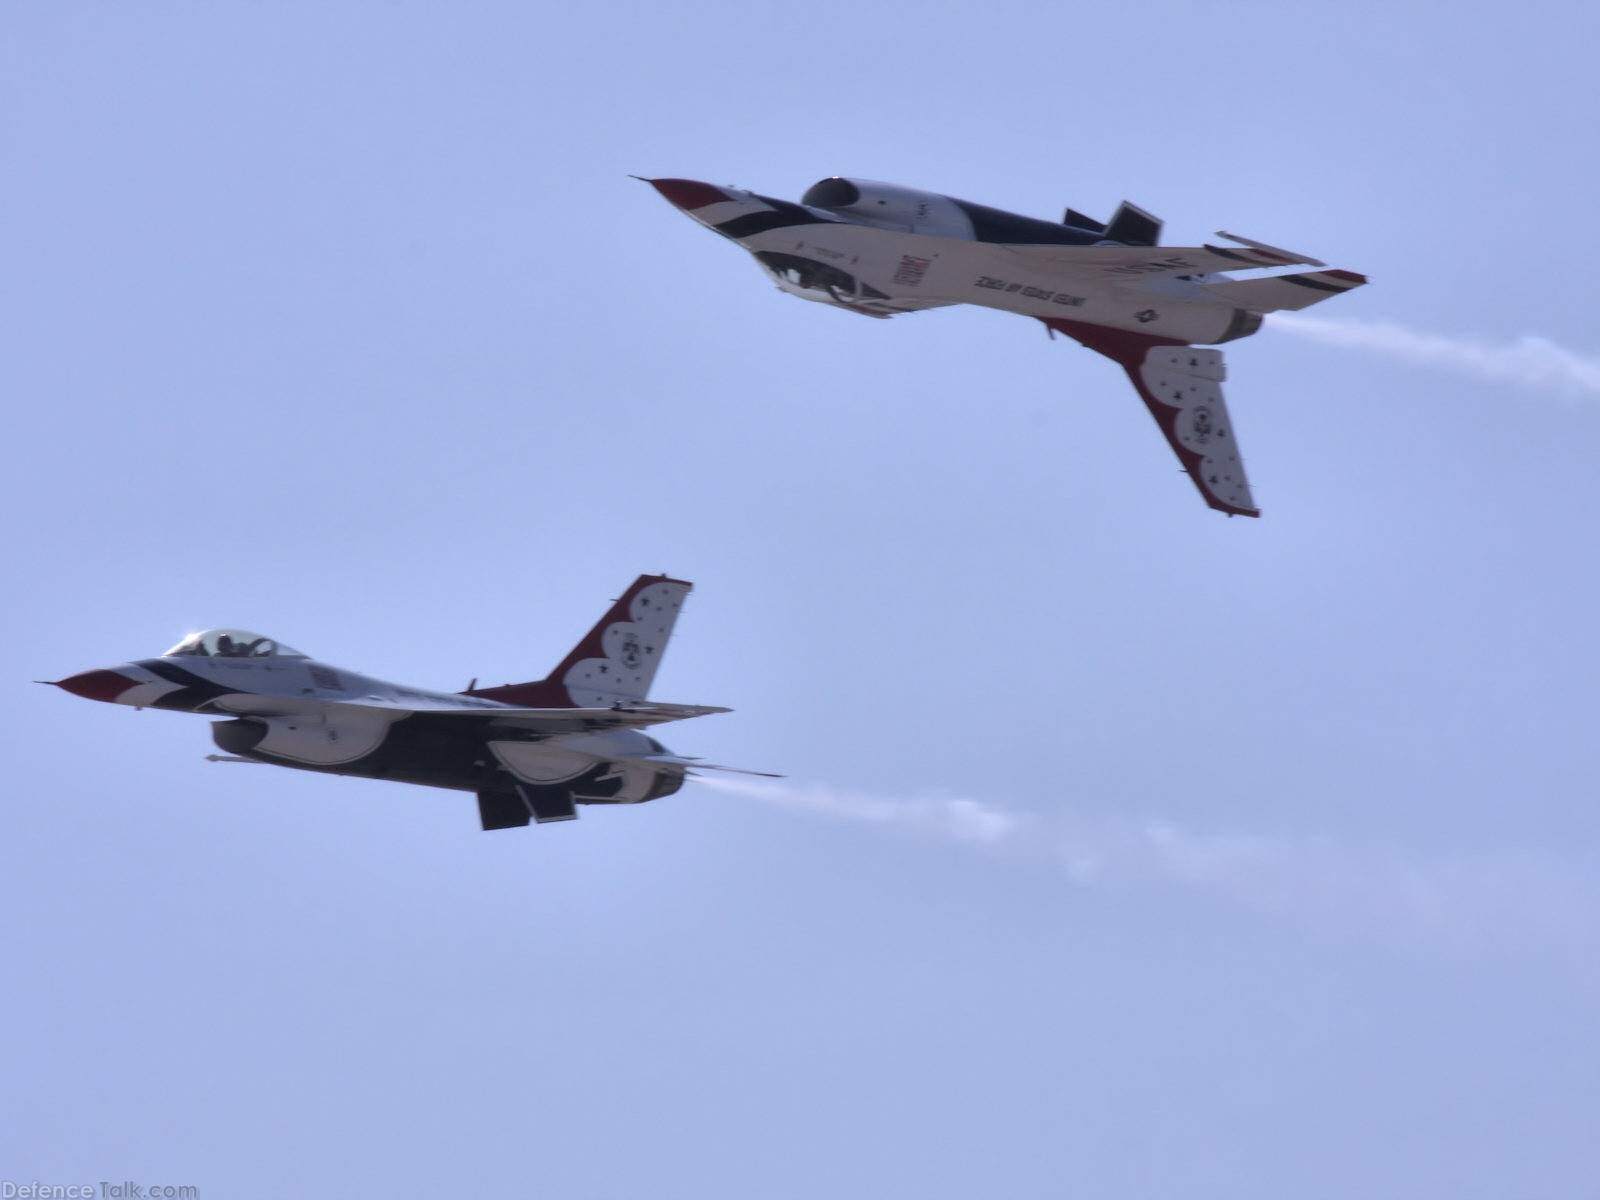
[
  {"x": 530, "y": 751},
  {"x": 879, "y": 249}
]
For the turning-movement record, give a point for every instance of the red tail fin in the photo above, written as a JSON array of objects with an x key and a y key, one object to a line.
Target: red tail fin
[{"x": 616, "y": 661}]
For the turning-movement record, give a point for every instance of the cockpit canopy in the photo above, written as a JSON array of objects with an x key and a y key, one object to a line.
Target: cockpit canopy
[
  {"x": 231, "y": 643},
  {"x": 890, "y": 206}
]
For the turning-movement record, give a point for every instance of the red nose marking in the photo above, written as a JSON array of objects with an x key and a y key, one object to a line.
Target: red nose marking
[
  {"x": 97, "y": 685},
  {"x": 688, "y": 193}
]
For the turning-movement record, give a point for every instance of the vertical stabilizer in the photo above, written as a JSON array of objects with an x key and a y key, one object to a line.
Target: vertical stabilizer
[
  {"x": 616, "y": 661},
  {"x": 618, "y": 658},
  {"x": 1181, "y": 385}
]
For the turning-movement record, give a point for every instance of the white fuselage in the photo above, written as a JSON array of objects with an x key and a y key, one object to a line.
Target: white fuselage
[
  {"x": 295, "y": 711},
  {"x": 886, "y": 267},
  {"x": 532, "y": 751}
]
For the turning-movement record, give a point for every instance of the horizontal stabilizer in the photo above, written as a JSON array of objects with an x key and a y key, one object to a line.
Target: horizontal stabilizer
[
  {"x": 1286, "y": 293},
  {"x": 695, "y": 764}
]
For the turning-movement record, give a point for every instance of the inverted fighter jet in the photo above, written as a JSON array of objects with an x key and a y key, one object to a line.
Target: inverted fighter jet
[
  {"x": 531, "y": 751},
  {"x": 879, "y": 249}
]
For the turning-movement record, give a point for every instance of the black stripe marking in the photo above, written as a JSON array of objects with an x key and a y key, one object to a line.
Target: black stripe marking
[
  {"x": 785, "y": 214},
  {"x": 761, "y": 222},
  {"x": 196, "y": 692}
]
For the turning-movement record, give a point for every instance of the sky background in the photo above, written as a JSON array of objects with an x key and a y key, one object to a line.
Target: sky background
[{"x": 1124, "y": 850}]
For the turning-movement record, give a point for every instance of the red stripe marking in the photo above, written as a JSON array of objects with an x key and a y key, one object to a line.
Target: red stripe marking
[
  {"x": 97, "y": 685},
  {"x": 689, "y": 193}
]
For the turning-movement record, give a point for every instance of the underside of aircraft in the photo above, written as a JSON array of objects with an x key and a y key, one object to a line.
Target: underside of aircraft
[{"x": 880, "y": 250}]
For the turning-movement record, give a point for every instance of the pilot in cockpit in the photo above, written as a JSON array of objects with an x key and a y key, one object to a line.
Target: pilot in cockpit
[
  {"x": 230, "y": 647},
  {"x": 231, "y": 643}
]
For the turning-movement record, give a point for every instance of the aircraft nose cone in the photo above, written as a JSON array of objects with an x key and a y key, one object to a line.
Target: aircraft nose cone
[
  {"x": 97, "y": 685},
  {"x": 688, "y": 194}
]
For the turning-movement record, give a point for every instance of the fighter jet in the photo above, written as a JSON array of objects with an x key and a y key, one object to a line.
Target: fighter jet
[
  {"x": 531, "y": 751},
  {"x": 879, "y": 249}
]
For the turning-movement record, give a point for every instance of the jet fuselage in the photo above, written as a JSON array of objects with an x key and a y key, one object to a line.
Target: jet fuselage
[
  {"x": 879, "y": 249},
  {"x": 529, "y": 750}
]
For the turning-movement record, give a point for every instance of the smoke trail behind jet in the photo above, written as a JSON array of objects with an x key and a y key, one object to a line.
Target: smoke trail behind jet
[
  {"x": 1458, "y": 901},
  {"x": 1534, "y": 363}
]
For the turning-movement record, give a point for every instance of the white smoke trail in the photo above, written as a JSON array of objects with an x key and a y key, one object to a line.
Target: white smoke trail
[
  {"x": 1535, "y": 363},
  {"x": 953, "y": 820},
  {"x": 1458, "y": 901}
]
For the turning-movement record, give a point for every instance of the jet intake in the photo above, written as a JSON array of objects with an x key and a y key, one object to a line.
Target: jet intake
[
  {"x": 238, "y": 736},
  {"x": 832, "y": 193},
  {"x": 800, "y": 275}
]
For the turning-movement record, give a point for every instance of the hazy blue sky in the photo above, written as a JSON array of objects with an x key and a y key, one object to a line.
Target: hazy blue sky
[{"x": 1125, "y": 850}]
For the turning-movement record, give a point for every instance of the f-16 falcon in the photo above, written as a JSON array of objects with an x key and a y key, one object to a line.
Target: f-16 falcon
[
  {"x": 880, "y": 249},
  {"x": 530, "y": 751}
]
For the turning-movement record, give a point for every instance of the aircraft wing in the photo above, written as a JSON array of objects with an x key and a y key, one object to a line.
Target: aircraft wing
[
  {"x": 540, "y": 720},
  {"x": 578, "y": 720},
  {"x": 1114, "y": 263},
  {"x": 1182, "y": 387}
]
